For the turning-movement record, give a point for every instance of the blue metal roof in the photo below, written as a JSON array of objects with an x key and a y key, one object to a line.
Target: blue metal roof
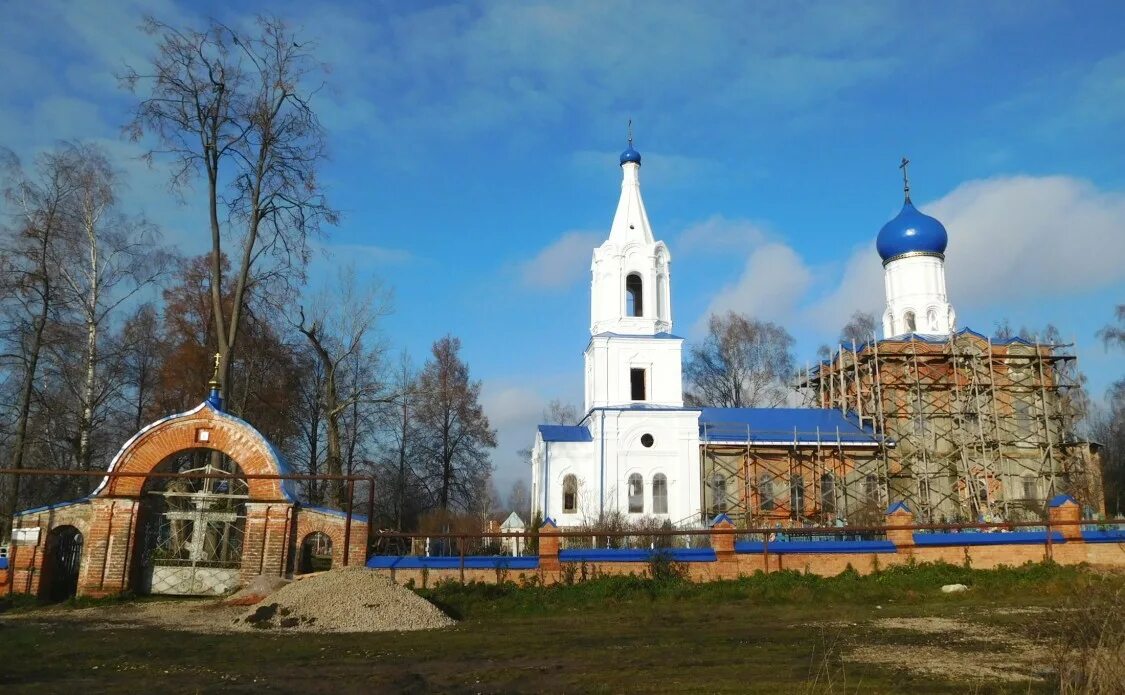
[
  {"x": 783, "y": 426},
  {"x": 911, "y": 232},
  {"x": 565, "y": 433}
]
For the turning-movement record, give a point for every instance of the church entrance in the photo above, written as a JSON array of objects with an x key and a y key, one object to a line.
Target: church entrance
[{"x": 194, "y": 527}]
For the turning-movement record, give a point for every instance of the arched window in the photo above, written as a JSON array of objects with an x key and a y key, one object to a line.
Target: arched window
[
  {"x": 634, "y": 301},
  {"x": 797, "y": 496},
  {"x": 659, "y": 494},
  {"x": 718, "y": 494},
  {"x": 871, "y": 487},
  {"x": 636, "y": 494},
  {"x": 765, "y": 493},
  {"x": 570, "y": 494},
  {"x": 828, "y": 493},
  {"x": 908, "y": 319},
  {"x": 316, "y": 553},
  {"x": 931, "y": 318}
]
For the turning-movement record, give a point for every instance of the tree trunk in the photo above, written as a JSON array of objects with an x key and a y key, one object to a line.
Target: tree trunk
[{"x": 86, "y": 419}]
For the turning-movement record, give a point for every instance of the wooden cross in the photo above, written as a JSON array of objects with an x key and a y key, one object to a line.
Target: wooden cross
[{"x": 905, "y": 176}]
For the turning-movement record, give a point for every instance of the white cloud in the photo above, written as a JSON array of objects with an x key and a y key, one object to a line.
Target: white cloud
[
  {"x": 563, "y": 263},
  {"x": 514, "y": 412},
  {"x": 719, "y": 235},
  {"x": 774, "y": 280}
]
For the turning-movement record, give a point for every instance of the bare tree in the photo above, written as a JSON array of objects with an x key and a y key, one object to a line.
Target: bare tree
[
  {"x": 1115, "y": 335},
  {"x": 236, "y": 108},
  {"x": 339, "y": 327},
  {"x": 140, "y": 352},
  {"x": 105, "y": 258},
  {"x": 31, "y": 288},
  {"x": 519, "y": 499},
  {"x": 454, "y": 432},
  {"x": 559, "y": 413},
  {"x": 741, "y": 363},
  {"x": 859, "y": 329}
]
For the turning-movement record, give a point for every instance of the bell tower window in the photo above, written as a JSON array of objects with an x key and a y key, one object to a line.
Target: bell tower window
[
  {"x": 634, "y": 303},
  {"x": 908, "y": 319},
  {"x": 637, "y": 384}
]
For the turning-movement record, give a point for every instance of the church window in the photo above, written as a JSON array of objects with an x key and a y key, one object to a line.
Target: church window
[
  {"x": 931, "y": 318},
  {"x": 718, "y": 494},
  {"x": 661, "y": 298},
  {"x": 1030, "y": 487},
  {"x": 828, "y": 493},
  {"x": 871, "y": 487},
  {"x": 634, "y": 301},
  {"x": 636, "y": 494},
  {"x": 796, "y": 496},
  {"x": 570, "y": 494},
  {"x": 647, "y": 441},
  {"x": 908, "y": 319},
  {"x": 659, "y": 494},
  {"x": 637, "y": 384},
  {"x": 765, "y": 493}
]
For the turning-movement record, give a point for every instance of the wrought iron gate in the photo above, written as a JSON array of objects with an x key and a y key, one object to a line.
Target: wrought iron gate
[
  {"x": 64, "y": 557},
  {"x": 193, "y": 541}
]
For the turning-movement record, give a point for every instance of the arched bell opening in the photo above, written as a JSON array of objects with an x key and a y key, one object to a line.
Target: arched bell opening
[{"x": 192, "y": 526}]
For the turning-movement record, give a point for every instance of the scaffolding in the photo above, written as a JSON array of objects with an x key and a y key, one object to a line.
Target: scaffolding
[
  {"x": 790, "y": 477},
  {"x": 981, "y": 428}
]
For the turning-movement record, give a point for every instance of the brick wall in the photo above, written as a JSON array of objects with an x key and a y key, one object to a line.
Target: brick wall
[{"x": 310, "y": 521}]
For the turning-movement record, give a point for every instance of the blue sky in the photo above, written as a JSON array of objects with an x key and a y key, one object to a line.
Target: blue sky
[{"x": 474, "y": 156}]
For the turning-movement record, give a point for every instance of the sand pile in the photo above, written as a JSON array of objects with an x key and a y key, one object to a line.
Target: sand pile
[
  {"x": 352, "y": 599},
  {"x": 259, "y": 588}
]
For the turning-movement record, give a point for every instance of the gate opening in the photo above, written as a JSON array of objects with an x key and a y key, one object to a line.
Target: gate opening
[
  {"x": 193, "y": 527},
  {"x": 64, "y": 555}
]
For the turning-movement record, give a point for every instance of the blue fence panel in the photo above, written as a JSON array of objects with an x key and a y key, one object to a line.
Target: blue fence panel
[
  {"x": 1116, "y": 535},
  {"x": 472, "y": 562},
  {"x": 3, "y": 563},
  {"x": 978, "y": 538},
  {"x": 636, "y": 555},
  {"x": 808, "y": 547}
]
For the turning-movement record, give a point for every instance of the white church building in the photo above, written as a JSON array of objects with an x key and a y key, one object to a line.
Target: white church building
[{"x": 638, "y": 450}]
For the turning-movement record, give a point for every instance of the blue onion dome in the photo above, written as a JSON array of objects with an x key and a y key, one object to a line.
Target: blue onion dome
[
  {"x": 911, "y": 232},
  {"x": 630, "y": 155}
]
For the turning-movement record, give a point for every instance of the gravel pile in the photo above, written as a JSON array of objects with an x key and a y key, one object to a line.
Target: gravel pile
[
  {"x": 259, "y": 588},
  {"x": 352, "y": 599}
]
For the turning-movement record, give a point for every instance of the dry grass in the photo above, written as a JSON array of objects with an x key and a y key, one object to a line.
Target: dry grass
[{"x": 1090, "y": 636}]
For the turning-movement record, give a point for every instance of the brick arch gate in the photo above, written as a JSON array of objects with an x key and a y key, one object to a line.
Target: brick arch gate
[{"x": 110, "y": 517}]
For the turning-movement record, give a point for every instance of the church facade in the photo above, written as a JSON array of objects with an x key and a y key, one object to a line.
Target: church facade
[{"x": 639, "y": 452}]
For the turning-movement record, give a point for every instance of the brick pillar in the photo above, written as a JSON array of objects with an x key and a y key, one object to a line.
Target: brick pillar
[
  {"x": 898, "y": 514},
  {"x": 723, "y": 545},
  {"x": 265, "y": 543},
  {"x": 108, "y": 549},
  {"x": 1065, "y": 508},
  {"x": 548, "y": 546},
  {"x": 357, "y": 550}
]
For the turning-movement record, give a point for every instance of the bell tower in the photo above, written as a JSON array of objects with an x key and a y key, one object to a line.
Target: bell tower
[{"x": 632, "y": 357}]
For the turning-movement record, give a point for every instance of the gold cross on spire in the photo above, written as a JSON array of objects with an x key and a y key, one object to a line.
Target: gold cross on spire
[
  {"x": 215, "y": 383},
  {"x": 905, "y": 177}
]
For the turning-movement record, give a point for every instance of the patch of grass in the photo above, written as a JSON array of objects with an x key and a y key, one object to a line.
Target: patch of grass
[{"x": 918, "y": 583}]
